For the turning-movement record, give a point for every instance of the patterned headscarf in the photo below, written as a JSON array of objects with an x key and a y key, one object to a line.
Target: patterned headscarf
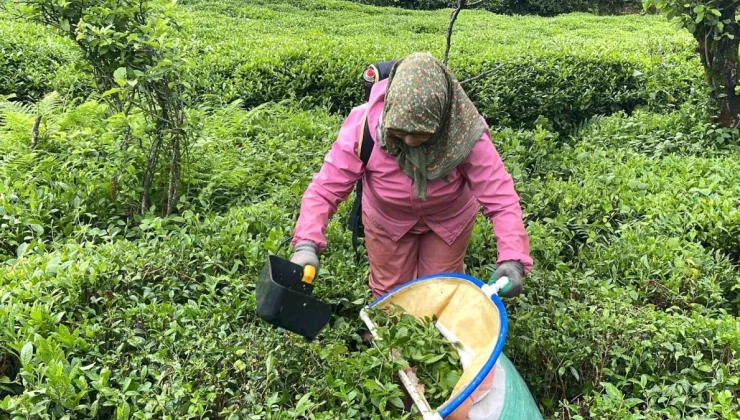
[{"x": 423, "y": 96}]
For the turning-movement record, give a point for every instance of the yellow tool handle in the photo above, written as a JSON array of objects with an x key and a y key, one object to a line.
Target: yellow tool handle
[{"x": 309, "y": 273}]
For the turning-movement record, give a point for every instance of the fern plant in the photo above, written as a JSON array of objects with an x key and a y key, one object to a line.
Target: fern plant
[{"x": 25, "y": 120}]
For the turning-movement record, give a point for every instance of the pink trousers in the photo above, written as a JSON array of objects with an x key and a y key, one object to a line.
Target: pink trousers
[{"x": 419, "y": 253}]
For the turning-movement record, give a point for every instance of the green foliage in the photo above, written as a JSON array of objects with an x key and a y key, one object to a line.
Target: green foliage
[
  {"x": 241, "y": 157},
  {"x": 245, "y": 157},
  {"x": 555, "y": 7},
  {"x": 133, "y": 52},
  {"x": 715, "y": 28},
  {"x": 684, "y": 132},
  {"x": 634, "y": 257},
  {"x": 35, "y": 62},
  {"x": 413, "y": 4},
  {"x": 60, "y": 186},
  {"x": 536, "y": 7},
  {"x": 566, "y": 69},
  {"x": 699, "y": 17},
  {"x": 422, "y": 348},
  {"x": 631, "y": 310}
]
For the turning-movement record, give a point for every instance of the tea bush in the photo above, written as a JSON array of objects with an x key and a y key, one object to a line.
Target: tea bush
[
  {"x": 631, "y": 310},
  {"x": 179, "y": 270},
  {"x": 35, "y": 62},
  {"x": 648, "y": 362},
  {"x": 566, "y": 68},
  {"x": 412, "y": 4},
  {"x": 686, "y": 131},
  {"x": 554, "y": 7},
  {"x": 537, "y": 7}
]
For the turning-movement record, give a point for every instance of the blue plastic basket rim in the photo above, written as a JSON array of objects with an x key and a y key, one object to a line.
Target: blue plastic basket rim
[{"x": 451, "y": 406}]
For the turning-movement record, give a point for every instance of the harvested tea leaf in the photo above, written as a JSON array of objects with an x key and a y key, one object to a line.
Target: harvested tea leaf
[{"x": 433, "y": 357}]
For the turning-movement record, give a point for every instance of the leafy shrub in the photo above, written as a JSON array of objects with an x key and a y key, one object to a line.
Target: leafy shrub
[
  {"x": 536, "y": 7},
  {"x": 641, "y": 365},
  {"x": 412, "y": 4},
  {"x": 567, "y": 70},
  {"x": 614, "y": 187},
  {"x": 35, "y": 62},
  {"x": 686, "y": 131},
  {"x": 634, "y": 274},
  {"x": 555, "y": 7},
  {"x": 566, "y": 74},
  {"x": 184, "y": 279},
  {"x": 43, "y": 196}
]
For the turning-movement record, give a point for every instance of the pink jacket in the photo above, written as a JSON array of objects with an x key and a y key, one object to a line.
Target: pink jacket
[{"x": 388, "y": 198}]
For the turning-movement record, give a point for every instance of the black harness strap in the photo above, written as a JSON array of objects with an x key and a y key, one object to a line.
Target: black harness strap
[
  {"x": 373, "y": 74},
  {"x": 355, "y": 217},
  {"x": 367, "y": 144}
]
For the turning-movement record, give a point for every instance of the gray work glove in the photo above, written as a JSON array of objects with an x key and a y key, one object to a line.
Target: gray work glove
[
  {"x": 514, "y": 270},
  {"x": 306, "y": 253}
]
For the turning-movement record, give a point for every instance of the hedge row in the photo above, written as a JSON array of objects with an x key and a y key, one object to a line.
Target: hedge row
[
  {"x": 35, "y": 61},
  {"x": 635, "y": 295},
  {"x": 556, "y": 7},
  {"x": 536, "y": 7},
  {"x": 566, "y": 69},
  {"x": 171, "y": 317}
]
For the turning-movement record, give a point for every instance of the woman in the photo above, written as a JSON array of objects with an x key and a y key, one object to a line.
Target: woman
[{"x": 432, "y": 167}]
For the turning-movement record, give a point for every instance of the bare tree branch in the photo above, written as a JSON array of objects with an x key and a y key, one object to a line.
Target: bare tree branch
[
  {"x": 485, "y": 73},
  {"x": 35, "y": 131},
  {"x": 706, "y": 49},
  {"x": 453, "y": 18}
]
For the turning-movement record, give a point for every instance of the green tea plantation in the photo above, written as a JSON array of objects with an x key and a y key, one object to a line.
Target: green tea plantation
[{"x": 630, "y": 192}]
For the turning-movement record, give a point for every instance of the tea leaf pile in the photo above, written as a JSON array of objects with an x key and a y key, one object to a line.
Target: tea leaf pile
[{"x": 433, "y": 358}]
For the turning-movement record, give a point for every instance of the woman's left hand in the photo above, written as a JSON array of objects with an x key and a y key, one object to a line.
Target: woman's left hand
[{"x": 306, "y": 253}]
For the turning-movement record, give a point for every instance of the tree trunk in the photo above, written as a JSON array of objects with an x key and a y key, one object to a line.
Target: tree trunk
[
  {"x": 114, "y": 187},
  {"x": 35, "y": 131},
  {"x": 724, "y": 75},
  {"x": 173, "y": 195},
  {"x": 145, "y": 194},
  {"x": 148, "y": 177},
  {"x": 720, "y": 61}
]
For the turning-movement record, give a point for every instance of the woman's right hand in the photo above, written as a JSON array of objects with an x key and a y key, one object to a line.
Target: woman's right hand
[
  {"x": 514, "y": 271},
  {"x": 306, "y": 253}
]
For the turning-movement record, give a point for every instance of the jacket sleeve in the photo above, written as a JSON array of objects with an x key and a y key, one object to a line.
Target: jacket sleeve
[
  {"x": 493, "y": 187},
  {"x": 340, "y": 171}
]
